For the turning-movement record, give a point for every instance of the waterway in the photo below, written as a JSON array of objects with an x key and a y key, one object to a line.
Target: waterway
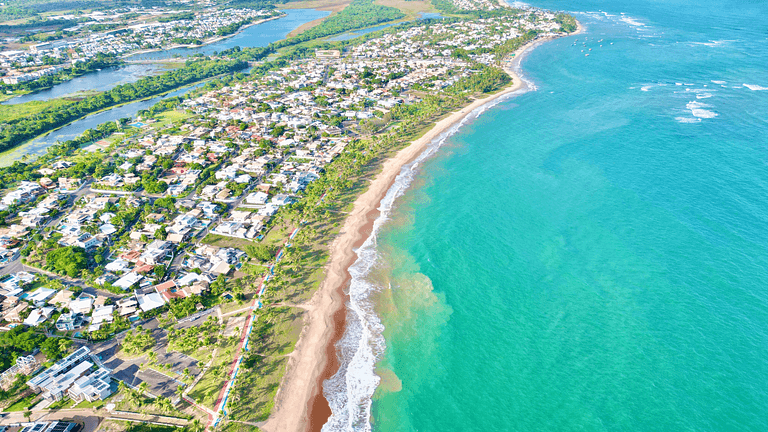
[
  {"x": 253, "y": 36},
  {"x": 39, "y": 145},
  {"x": 102, "y": 80}
]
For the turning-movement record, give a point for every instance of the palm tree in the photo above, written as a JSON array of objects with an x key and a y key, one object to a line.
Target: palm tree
[
  {"x": 196, "y": 426},
  {"x": 133, "y": 398},
  {"x": 164, "y": 404}
]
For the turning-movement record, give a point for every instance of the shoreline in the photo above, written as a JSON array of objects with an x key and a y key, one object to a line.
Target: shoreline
[{"x": 300, "y": 404}]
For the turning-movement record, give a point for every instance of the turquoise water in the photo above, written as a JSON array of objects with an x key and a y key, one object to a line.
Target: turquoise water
[{"x": 591, "y": 255}]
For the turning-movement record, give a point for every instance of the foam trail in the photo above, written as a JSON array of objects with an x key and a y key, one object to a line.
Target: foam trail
[
  {"x": 349, "y": 392},
  {"x": 631, "y": 21},
  {"x": 697, "y": 109},
  {"x": 755, "y": 87}
]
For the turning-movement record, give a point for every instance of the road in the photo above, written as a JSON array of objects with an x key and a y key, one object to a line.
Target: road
[{"x": 91, "y": 418}]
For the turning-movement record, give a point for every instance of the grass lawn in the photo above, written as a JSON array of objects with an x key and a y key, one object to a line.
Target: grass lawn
[
  {"x": 224, "y": 241},
  {"x": 20, "y": 111},
  {"x": 254, "y": 395},
  {"x": 274, "y": 336},
  {"x": 229, "y": 426},
  {"x": 62, "y": 404},
  {"x": 171, "y": 116},
  {"x": 23, "y": 403},
  {"x": 411, "y": 8},
  {"x": 95, "y": 404},
  {"x": 206, "y": 391},
  {"x": 125, "y": 426}
]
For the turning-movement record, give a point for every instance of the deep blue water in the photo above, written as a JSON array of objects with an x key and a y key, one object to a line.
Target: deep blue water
[{"x": 591, "y": 255}]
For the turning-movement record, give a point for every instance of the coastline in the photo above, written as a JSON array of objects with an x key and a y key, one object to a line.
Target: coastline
[{"x": 300, "y": 404}]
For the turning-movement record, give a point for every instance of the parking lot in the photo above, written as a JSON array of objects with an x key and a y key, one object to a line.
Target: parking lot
[{"x": 160, "y": 382}]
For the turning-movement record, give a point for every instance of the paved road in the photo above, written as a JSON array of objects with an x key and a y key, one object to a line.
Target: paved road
[{"x": 87, "y": 417}]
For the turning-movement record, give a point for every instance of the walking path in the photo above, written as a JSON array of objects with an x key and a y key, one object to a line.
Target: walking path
[{"x": 242, "y": 347}]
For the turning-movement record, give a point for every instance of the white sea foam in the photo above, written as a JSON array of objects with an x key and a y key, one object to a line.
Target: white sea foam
[
  {"x": 703, "y": 95},
  {"x": 698, "y": 110},
  {"x": 712, "y": 43},
  {"x": 350, "y": 390},
  {"x": 518, "y": 5},
  {"x": 688, "y": 119},
  {"x": 631, "y": 21},
  {"x": 755, "y": 87},
  {"x": 646, "y": 88},
  {"x": 719, "y": 82}
]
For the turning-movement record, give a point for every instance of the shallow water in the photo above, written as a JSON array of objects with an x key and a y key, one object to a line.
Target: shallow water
[{"x": 592, "y": 255}]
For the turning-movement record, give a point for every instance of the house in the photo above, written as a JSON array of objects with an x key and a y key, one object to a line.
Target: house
[
  {"x": 101, "y": 315},
  {"x": 150, "y": 301},
  {"x": 257, "y": 198},
  {"x": 128, "y": 280},
  {"x": 39, "y": 316},
  {"x": 40, "y": 296},
  {"x": 73, "y": 376},
  {"x": 221, "y": 268},
  {"x": 169, "y": 290},
  {"x": 118, "y": 265},
  {"x": 281, "y": 200},
  {"x": 62, "y": 298},
  {"x": 81, "y": 305},
  {"x": 14, "y": 315},
  {"x": 70, "y": 321}
]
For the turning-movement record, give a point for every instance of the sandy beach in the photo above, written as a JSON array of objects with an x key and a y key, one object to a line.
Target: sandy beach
[{"x": 300, "y": 405}]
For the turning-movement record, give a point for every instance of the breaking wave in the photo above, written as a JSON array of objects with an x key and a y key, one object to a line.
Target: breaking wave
[
  {"x": 697, "y": 110},
  {"x": 631, "y": 21},
  {"x": 349, "y": 392}
]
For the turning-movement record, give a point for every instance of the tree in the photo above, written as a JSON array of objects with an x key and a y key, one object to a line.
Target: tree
[
  {"x": 138, "y": 341},
  {"x": 70, "y": 260},
  {"x": 161, "y": 233},
  {"x": 55, "y": 348},
  {"x": 261, "y": 252}
]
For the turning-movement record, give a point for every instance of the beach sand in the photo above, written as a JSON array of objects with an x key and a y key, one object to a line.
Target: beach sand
[{"x": 300, "y": 405}]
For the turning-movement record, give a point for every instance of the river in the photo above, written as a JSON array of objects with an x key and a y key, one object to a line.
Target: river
[
  {"x": 101, "y": 80},
  {"x": 253, "y": 36}
]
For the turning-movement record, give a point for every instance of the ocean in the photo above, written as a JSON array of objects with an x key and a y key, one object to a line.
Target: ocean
[{"x": 591, "y": 255}]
